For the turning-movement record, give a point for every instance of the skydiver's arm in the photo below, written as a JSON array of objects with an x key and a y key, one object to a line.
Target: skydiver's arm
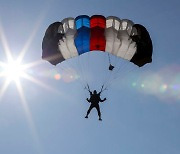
[
  {"x": 102, "y": 100},
  {"x": 88, "y": 100}
]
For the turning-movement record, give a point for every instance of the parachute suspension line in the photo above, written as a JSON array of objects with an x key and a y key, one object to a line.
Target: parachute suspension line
[
  {"x": 122, "y": 78},
  {"x": 81, "y": 80},
  {"x": 103, "y": 78},
  {"x": 85, "y": 83},
  {"x": 111, "y": 67},
  {"x": 70, "y": 64},
  {"x": 107, "y": 72},
  {"x": 123, "y": 69},
  {"x": 118, "y": 67},
  {"x": 110, "y": 72},
  {"x": 81, "y": 71},
  {"x": 68, "y": 71},
  {"x": 77, "y": 69},
  {"x": 106, "y": 80},
  {"x": 73, "y": 63},
  {"x": 117, "y": 72},
  {"x": 88, "y": 66},
  {"x": 122, "y": 73},
  {"x": 84, "y": 69},
  {"x": 114, "y": 71},
  {"x": 65, "y": 68},
  {"x": 106, "y": 83}
]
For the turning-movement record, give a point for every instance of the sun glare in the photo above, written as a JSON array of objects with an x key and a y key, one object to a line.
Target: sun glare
[{"x": 13, "y": 70}]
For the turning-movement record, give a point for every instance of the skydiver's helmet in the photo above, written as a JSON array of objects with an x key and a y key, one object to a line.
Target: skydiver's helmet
[{"x": 95, "y": 92}]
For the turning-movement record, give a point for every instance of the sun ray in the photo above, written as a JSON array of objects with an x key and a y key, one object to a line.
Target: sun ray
[
  {"x": 8, "y": 70},
  {"x": 5, "y": 44},
  {"x": 4, "y": 88},
  {"x": 2, "y": 64},
  {"x": 38, "y": 82},
  {"x": 32, "y": 64},
  {"x": 30, "y": 39},
  {"x": 2, "y": 74},
  {"x": 28, "y": 116}
]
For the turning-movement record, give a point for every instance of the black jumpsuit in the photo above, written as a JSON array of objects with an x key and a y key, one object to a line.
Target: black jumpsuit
[{"x": 94, "y": 100}]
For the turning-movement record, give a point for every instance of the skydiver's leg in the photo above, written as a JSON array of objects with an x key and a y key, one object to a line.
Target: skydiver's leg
[
  {"x": 99, "y": 112},
  {"x": 89, "y": 110}
]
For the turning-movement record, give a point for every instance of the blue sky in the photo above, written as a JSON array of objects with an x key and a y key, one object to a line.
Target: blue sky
[{"x": 45, "y": 115}]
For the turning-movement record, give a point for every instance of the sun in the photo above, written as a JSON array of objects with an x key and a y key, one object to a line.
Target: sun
[{"x": 13, "y": 70}]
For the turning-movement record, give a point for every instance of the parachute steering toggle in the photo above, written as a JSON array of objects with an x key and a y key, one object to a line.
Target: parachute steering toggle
[{"x": 102, "y": 88}]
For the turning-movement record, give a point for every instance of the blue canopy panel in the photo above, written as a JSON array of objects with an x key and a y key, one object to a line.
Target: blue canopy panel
[
  {"x": 82, "y": 40},
  {"x": 82, "y": 21}
]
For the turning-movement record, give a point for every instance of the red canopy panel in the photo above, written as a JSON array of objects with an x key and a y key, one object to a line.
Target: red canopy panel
[
  {"x": 97, "y": 27},
  {"x": 97, "y": 21}
]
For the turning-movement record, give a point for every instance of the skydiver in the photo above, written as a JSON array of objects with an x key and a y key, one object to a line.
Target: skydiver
[{"x": 94, "y": 100}]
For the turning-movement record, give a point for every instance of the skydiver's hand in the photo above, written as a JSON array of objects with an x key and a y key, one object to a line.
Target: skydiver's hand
[{"x": 105, "y": 99}]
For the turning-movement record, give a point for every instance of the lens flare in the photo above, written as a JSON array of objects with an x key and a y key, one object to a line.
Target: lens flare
[
  {"x": 163, "y": 84},
  {"x": 134, "y": 84},
  {"x": 163, "y": 88},
  {"x": 142, "y": 85},
  {"x": 57, "y": 76},
  {"x": 69, "y": 75}
]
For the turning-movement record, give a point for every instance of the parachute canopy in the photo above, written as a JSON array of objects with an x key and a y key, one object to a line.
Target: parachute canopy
[{"x": 75, "y": 36}]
